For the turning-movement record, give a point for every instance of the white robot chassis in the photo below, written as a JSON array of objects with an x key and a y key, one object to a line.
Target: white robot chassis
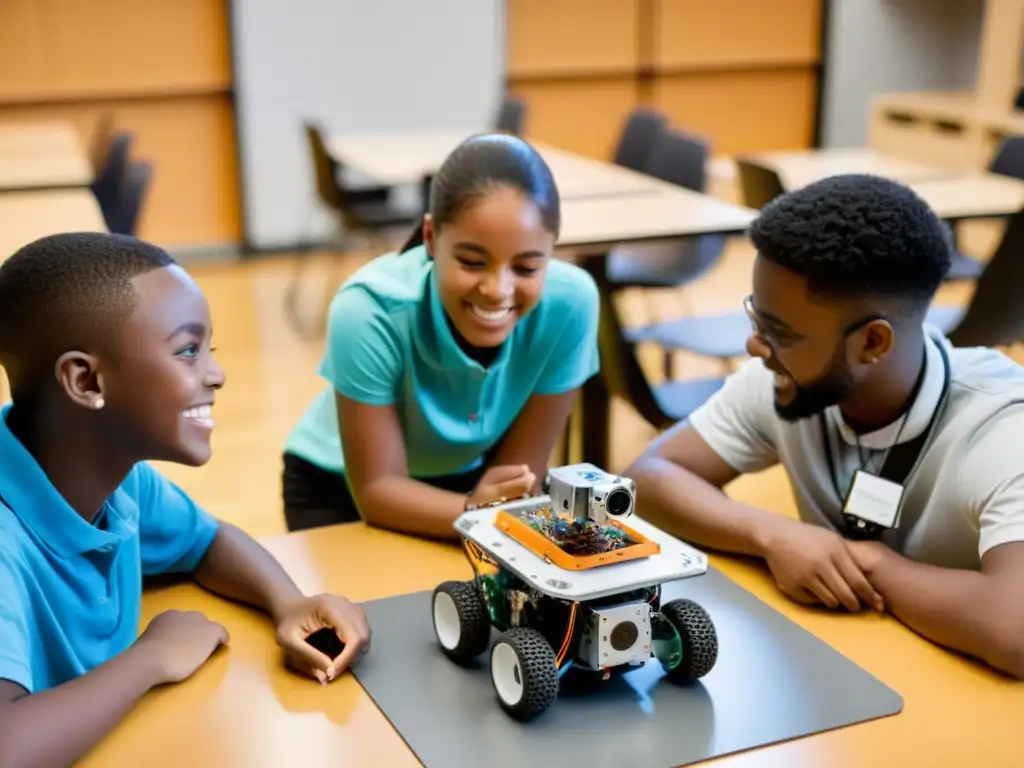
[{"x": 600, "y": 613}]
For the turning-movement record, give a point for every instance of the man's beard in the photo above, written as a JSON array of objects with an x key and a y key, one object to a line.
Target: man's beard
[{"x": 832, "y": 388}]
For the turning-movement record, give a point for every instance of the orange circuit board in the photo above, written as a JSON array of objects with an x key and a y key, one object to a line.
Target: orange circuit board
[{"x": 572, "y": 543}]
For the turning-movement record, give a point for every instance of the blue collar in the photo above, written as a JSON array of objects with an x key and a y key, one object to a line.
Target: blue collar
[{"x": 44, "y": 513}]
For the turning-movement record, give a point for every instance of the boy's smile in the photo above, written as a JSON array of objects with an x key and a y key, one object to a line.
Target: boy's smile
[{"x": 159, "y": 392}]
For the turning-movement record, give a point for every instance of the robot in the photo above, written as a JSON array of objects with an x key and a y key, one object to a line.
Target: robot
[{"x": 568, "y": 585}]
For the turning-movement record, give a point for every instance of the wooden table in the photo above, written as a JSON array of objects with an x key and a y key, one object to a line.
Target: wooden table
[
  {"x": 27, "y": 216},
  {"x": 405, "y": 158},
  {"x": 973, "y": 196},
  {"x": 802, "y": 167},
  {"x": 42, "y": 156},
  {"x": 245, "y": 709},
  {"x": 48, "y": 136},
  {"x": 669, "y": 212},
  {"x": 40, "y": 170}
]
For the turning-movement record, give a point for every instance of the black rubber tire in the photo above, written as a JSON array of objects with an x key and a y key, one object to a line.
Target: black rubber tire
[
  {"x": 536, "y": 671},
  {"x": 474, "y": 622},
  {"x": 699, "y": 638}
]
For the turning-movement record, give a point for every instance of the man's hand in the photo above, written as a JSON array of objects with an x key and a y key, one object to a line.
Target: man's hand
[
  {"x": 307, "y": 617},
  {"x": 868, "y": 555},
  {"x": 812, "y": 564},
  {"x": 181, "y": 642}
]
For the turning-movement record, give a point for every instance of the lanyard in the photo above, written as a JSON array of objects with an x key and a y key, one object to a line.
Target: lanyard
[{"x": 903, "y": 456}]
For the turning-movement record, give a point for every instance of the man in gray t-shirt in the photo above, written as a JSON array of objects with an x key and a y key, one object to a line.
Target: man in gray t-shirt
[{"x": 903, "y": 452}]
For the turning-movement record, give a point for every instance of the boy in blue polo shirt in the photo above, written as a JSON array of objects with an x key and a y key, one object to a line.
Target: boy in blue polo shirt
[
  {"x": 106, "y": 344},
  {"x": 453, "y": 364}
]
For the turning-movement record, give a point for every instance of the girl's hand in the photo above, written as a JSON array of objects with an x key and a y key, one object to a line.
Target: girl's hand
[{"x": 500, "y": 484}]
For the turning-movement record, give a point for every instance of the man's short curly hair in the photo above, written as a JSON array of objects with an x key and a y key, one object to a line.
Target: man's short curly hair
[
  {"x": 64, "y": 292},
  {"x": 857, "y": 235}
]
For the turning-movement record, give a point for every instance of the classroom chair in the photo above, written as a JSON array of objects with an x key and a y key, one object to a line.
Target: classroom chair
[
  {"x": 1007, "y": 161},
  {"x": 678, "y": 158},
  {"x": 639, "y": 135},
  {"x": 365, "y": 211},
  {"x": 135, "y": 186},
  {"x": 108, "y": 184},
  {"x": 622, "y": 376},
  {"x": 511, "y": 116},
  {"x": 993, "y": 317}
]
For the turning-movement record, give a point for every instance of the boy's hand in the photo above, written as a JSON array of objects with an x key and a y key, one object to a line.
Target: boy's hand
[
  {"x": 501, "y": 484},
  {"x": 343, "y": 618},
  {"x": 181, "y": 642}
]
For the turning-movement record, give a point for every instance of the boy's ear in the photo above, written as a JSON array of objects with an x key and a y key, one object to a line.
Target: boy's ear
[
  {"x": 428, "y": 234},
  {"x": 79, "y": 376}
]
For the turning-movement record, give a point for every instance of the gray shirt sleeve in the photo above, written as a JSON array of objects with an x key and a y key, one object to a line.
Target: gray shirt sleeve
[
  {"x": 739, "y": 421},
  {"x": 992, "y": 479}
]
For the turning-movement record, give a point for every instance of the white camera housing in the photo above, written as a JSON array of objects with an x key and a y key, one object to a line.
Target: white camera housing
[{"x": 589, "y": 493}]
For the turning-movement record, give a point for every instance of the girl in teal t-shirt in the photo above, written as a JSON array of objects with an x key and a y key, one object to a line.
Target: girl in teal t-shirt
[{"x": 454, "y": 363}]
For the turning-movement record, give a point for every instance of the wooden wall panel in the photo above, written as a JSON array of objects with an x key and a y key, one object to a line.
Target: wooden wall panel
[
  {"x": 696, "y": 34},
  {"x": 584, "y": 116},
  {"x": 69, "y": 49},
  {"x": 567, "y": 37},
  {"x": 742, "y": 72},
  {"x": 742, "y": 111},
  {"x": 194, "y": 197},
  {"x": 162, "y": 69}
]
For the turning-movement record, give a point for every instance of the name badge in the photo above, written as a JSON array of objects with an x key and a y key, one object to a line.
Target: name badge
[{"x": 873, "y": 499}]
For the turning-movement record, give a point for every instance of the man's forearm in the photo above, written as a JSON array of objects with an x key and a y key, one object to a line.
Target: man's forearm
[
  {"x": 687, "y": 506},
  {"x": 59, "y": 726},
  {"x": 237, "y": 567},
  {"x": 958, "y": 609},
  {"x": 408, "y": 506}
]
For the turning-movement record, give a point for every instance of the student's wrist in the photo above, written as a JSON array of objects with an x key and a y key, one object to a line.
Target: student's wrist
[
  {"x": 145, "y": 664},
  {"x": 280, "y": 606},
  {"x": 764, "y": 530}
]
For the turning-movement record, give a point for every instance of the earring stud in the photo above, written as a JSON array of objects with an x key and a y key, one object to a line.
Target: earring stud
[{"x": 98, "y": 403}]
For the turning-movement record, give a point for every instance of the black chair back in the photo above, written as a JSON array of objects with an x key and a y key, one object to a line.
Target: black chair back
[
  {"x": 1009, "y": 160},
  {"x": 639, "y": 136},
  {"x": 511, "y": 116},
  {"x": 994, "y": 316},
  {"x": 109, "y": 182},
  {"x": 133, "y": 194},
  {"x": 679, "y": 158},
  {"x": 758, "y": 185}
]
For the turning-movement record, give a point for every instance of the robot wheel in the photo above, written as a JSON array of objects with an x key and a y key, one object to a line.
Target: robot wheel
[
  {"x": 697, "y": 641},
  {"x": 524, "y": 673},
  {"x": 461, "y": 622}
]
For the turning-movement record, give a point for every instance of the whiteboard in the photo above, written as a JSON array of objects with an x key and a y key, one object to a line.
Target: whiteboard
[{"x": 353, "y": 66}]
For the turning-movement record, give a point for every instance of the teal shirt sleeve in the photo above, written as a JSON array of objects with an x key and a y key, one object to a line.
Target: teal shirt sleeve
[
  {"x": 15, "y": 657},
  {"x": 174, "y": 532},
  {"x": 574, "y": 357},
  {"x": 363, "y": 360}
]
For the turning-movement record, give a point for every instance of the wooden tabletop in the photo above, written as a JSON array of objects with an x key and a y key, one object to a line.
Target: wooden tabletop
[
  {"x": 50, "y": 136},
  {"x": 670, "y": 212},
  {"x": 25, "y": 171},
  {"x": 802, "y": 167},
  {"x": 973, "y": 196},
  {"x": 27, "y": 216},
  {"x": 404, "y": 158},
  {"x": 245, "y": 709},
  {"x": 42, "y": 156}
]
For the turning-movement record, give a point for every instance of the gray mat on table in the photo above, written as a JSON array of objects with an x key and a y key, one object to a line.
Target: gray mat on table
[{"x": 773, "y": 681}]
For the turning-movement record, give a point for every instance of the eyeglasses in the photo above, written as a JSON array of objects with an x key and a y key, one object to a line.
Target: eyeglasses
[
  {"x": 786, "y": 340},
  {"x": 758, "y": 328}
]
